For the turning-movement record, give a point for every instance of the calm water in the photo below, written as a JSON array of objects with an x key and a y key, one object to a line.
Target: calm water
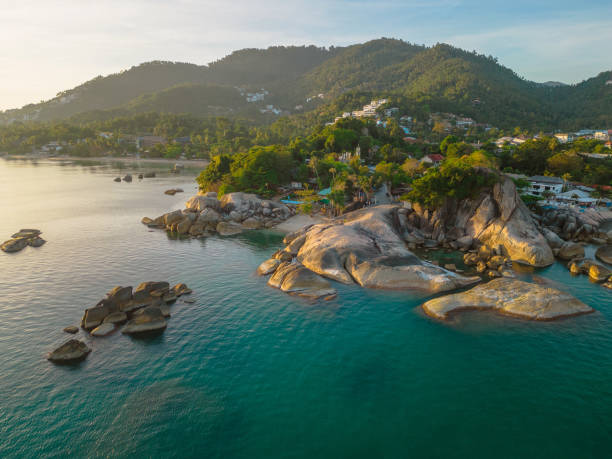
[{"x": 247, "y": 371}]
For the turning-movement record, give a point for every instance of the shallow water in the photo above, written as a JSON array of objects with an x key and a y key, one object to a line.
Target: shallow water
[{"x": 247, "y": 371}]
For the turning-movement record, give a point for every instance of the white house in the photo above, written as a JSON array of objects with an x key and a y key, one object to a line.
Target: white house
[
  {"x": 538, "y": 185},
  {"x": 564, "y": 137}
]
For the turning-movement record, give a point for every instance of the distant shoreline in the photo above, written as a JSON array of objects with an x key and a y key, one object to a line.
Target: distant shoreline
[{"x": 202, "y": 163}]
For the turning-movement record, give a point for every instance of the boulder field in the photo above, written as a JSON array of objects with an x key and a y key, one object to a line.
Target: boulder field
[
  {"x": 144, "y": 308},
  {"x": 512, "y": 297},
  {"x": 232, "y": 214},
  {"x": 22, "y": 239}
]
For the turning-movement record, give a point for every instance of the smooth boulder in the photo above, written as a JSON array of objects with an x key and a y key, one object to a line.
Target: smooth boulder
[
  {"x": 102, "y": 330},
  {"x": 268, "y": 267},
  {"x": 512, "y": 297},
  {"x": 71, "y": 351}
]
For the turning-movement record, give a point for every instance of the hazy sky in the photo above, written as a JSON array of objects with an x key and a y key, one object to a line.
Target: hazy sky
[{"x": 52, "y": 45}]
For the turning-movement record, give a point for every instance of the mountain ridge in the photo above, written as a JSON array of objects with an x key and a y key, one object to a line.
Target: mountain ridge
[{"x": 298, "y": 79}]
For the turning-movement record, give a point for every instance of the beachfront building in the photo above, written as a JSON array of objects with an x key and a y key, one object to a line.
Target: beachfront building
[{"x": 434, "y": 159}]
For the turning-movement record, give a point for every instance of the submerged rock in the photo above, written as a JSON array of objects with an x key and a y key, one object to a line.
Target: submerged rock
[
  {"x": 71, "y": 351},
  {"x": 510, "y": 296},
  {"x": 71, "y": 329}
]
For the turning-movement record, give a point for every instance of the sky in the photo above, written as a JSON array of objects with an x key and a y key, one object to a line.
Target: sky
[{"x": 52, "y": 45}]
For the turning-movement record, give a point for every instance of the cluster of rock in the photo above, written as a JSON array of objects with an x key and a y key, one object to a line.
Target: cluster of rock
[
  {"x": 233, "y": 213},
  {"x": 364, "y": 247},
  {"x": 143, "y": 310},
  {"x": 128, "y": 177},
  {"x": 596, "y": 272},
  {"x": 512, "y": 297},
  {"x": 22, "y": 239},
  {"x": 496, "y": 218},
  {"x": 489, "y": 262},
  {"x": 569, "y": 225}
]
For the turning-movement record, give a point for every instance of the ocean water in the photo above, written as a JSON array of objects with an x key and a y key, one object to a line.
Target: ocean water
[{"x": 247, "y": 371}]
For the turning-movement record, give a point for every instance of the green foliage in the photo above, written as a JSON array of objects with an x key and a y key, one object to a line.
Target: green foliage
[{"x": 455, "y": 179}]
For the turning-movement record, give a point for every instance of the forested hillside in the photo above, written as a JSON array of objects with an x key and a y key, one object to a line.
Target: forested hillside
[{"x": 418, "y": 78}]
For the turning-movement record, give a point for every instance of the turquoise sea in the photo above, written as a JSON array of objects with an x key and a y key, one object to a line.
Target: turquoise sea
[{"x": 249, "y": 372}]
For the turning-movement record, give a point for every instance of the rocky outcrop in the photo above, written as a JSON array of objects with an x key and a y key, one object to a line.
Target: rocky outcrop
[
  {"x": 512, "y": 297},
  {"x": 69, "y": 352},
  {"x": 497, "y": 218},
  {"x": 22, "y": 239},
  {"x": 363, "y": 247},
  {"x": 205, "y": 214},
  {"x": 121, "y": 303}
]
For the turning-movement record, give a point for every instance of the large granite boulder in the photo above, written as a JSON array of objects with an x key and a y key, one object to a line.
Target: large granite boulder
[
  {"x": 496, "y": 218},
  {"x": 69, "y": 352},
  {"x": 146, "y": 320},
  {"x": 120, "y": 295},
  {"x": 598, "y": 273},
  {"x": 512, "y": 297},
  {"x": 571, "y": 250},
  {"x": 604, "y": 253},
  {"x": 365, "y": 246}
]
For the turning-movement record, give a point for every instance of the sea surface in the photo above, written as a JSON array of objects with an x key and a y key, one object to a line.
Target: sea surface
[{"x": 249, "y": 372}]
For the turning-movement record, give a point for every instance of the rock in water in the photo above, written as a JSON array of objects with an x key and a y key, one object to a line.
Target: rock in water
[
  {"x": 102, "y": 330},
  {"x": 71, "y": 351},
  {"x": 149, "y": 319},
  {"x": 571, "y": 250},
  {"x": 510, "y": 296},
  {"x": 117, "y": 179},
  {"x": 367, "y": 248},
  {"x": 181, "y": 289},
  {"x": 71, "y": 329},
  {"x": 13, "y": 245},
  {"x": 604, "y": 254},
  {"x": 268, "y": 267},
  {"x": 127, "y": 178}
]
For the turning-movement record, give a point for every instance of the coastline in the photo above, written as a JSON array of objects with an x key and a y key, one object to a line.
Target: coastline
[{"x": 195, "y": 163}]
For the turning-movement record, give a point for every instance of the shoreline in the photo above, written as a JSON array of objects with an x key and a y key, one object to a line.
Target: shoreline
[{"x": 200, "y": 163}]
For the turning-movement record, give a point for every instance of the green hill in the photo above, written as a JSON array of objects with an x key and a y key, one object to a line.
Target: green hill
[{"x": 419, "y": 79}]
